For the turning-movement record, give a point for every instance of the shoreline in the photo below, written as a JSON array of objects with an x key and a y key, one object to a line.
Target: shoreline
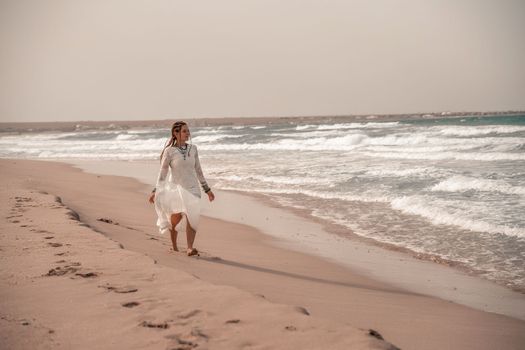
[
  {"x": 384, "y": 262},
  {"x": 239, "y": 256},
  {"x": 346, "y": 233}
]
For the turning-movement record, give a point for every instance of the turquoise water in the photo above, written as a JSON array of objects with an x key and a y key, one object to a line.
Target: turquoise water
[{"x": 472, "y": 120}]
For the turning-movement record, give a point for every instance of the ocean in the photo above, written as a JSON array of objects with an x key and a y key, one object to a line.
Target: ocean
[{"x": 451, "y": 190}]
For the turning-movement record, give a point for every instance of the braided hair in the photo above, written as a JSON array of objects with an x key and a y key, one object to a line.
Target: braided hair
[{"x": 175, "y": 128}]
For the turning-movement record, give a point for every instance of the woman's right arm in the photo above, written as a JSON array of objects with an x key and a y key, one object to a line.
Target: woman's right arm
[
  {"x": 163, "y": 173},
  {"x": 164, "y": 168}
]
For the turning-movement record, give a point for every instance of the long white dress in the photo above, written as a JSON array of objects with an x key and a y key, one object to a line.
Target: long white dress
[{"x": 177, "y": 189}]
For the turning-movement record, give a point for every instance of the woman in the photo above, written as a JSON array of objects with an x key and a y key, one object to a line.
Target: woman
[{"x": 178, "y": 195}]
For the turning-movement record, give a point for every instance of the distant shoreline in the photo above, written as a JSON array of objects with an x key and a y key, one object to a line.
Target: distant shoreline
[{"x": 202, "y": 122}]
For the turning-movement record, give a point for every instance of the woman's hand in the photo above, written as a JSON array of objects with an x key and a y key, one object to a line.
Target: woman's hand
[
  {"x": 211, "y": 196},
  {"x": 152, "y": 198}
]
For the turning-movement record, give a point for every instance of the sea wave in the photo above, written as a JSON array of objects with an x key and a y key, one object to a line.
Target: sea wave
[
  {"x": 126, "y": 137},
  {"x": 304, "y": 127},
  {"x": 402, "y": 172},
  {"x": 91, "y": 155},
  {"x": 459, "y": 183},
  {"x": 213, "y": 138},
  {"x": 375, "y": 125},
  {"x": 279, "y": 180},
  {"x": 425, "y": 207},
  {"x": 310, "y": 193},
  {"x": 477, "y": 156},
  {"x": 480, "y": 130},
  {"x": 311, "y": 144}
]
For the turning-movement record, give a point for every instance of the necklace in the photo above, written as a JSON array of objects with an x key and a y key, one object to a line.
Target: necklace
[{"x": 183, "y": 150}]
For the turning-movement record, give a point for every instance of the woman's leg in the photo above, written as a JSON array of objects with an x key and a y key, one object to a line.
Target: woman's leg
[
  {"x": 190, "y": 236},
  {"x": 175, "y": 219}
]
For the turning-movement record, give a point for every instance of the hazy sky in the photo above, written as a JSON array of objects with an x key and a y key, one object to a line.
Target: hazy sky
[{"x": 158, "y": 59}]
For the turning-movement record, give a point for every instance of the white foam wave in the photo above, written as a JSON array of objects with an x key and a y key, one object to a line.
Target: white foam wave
[
  {"x": 213, "y": 138},
  {"x": 88, "y": 155},
  {"x": 347, "y": 142},
  {"x": 459, "y": 183},
  {"x": 310, "y": 193},
  {"x": 423, "y": 149},
  {"x": 146, "y": 131},
  {"x": 304, "y": 127},
  {"x": 418, "y": 147},
  {"x": 375, "y": 125},
  {"x": 280, "y": 180},
  {"x": 486, "y": 157},
  {"x": 466, "y": 131},
  {"x": 126, "y": 137},
  {"x": 8, "y": 139},
  {"x": 306, "y": 134},
  {"x": 425, "y": 207},
  {"x": 402, "y": 172}
]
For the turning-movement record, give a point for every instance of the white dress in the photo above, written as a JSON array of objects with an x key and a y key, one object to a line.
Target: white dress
[{"x": 177, "y": 189}]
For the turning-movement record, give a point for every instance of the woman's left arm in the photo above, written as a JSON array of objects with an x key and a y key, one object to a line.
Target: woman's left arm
[{"x": 200, "y": 176}]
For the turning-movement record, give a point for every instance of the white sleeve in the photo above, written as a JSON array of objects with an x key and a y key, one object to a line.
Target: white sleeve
[
  {"x": 200, "y": 175},
  {"x": 164, "y": 168}
]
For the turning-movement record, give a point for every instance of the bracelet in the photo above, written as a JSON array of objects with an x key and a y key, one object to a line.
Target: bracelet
[{"x": 208, "y": 190}]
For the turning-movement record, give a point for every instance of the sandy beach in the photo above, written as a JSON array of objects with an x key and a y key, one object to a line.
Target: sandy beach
[
  {"x": 367, "y": 162},
  {"x": 84, "y": 267}
]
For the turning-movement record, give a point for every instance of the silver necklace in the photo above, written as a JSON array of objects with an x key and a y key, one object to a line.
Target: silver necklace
[{"x": 183, "y": 150}]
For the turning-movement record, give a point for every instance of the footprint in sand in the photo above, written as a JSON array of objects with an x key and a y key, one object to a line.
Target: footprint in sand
[
  {"x": 233, "y": 321},
  {"x": 108, "y": 221},
  {"x": 49, "y": 237},
  {"x": 71, "y": 264},
  {"x": 189, "y": 314},
  {"x": 87, "y": 274},
  {"x": 375, "y": 334},
  {"x": 59, "y": 271},
  {"x": 302, "y": 310},
  {"x": 197, "y": 332},
  {"x": 181, "y": 344},
  {"x": 73, "y": 215},
  {"x": 54, "y": 245},
  {"x": 131, "y": 304},
  {"x": 122, "y": 289},
  {"x": 161, "y": 325}
]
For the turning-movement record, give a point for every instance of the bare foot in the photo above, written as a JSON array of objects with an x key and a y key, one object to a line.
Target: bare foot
[
  {"x": 175, "y": 249},
  {"x": 192, "y": 251}
]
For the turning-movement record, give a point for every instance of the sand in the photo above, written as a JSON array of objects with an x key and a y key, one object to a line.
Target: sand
[{"x": 89, "y": 270}]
